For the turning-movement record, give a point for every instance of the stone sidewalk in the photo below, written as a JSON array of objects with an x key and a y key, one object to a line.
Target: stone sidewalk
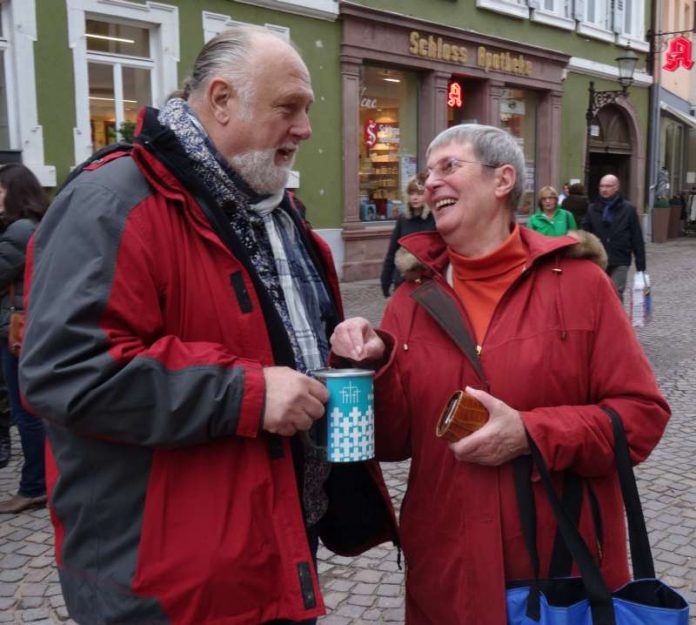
[{"x": 369, "y": 589}]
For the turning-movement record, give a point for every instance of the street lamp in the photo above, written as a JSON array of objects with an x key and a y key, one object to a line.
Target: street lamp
[{"x": 598, "y": 99}]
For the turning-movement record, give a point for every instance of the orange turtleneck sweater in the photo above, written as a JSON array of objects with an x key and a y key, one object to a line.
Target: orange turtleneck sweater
[{"x": 481, "y": 282}]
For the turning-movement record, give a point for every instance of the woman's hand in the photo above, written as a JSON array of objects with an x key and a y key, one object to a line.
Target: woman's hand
[
  {"x": 357, "y": 340},
  {"x": 500, "y": 440}
]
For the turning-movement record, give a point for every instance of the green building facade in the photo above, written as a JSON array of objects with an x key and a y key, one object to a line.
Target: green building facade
[{"x": 387, "y": 74}]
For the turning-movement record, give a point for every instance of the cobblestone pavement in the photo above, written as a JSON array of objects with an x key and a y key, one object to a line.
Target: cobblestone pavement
[{"x": 369, "y": 589}]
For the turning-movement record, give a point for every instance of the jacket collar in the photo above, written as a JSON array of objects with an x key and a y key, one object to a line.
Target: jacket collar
[
  {"x": 430, "y": 249},
  {"x": 168, "y": 162}
]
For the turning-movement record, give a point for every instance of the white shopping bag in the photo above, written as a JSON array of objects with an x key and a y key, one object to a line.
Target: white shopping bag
[{"x": 641, "y": 299}]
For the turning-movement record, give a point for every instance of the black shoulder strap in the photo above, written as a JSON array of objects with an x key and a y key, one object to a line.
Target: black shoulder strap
[
  {"x": 95, "y": 158},
  {"x": 641, "y": 555},
  {"x": 444, "y": 310}
]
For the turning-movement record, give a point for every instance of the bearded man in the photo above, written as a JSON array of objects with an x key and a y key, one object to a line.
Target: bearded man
[{"x": 176, "y": 302}]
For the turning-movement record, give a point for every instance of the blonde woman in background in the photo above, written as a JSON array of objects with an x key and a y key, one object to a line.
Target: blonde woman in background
[
  {"x": 418, "y": 218},
  {"x": 551, "y": 219}
]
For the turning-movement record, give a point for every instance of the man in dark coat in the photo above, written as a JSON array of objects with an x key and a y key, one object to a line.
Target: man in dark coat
[{"x": 615, "y": 221}]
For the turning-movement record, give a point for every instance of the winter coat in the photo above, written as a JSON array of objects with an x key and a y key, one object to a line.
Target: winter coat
[
  {"x": 147, "y": 332},
  {"x": 559, "y": 224},
  {"x": 558, "y": 347},
  {"x": 13, "y": 249},
  {"x": 576, "y": 203},
  {"x": 622, "y": 237},
  {"x": 406, "y": 224}
]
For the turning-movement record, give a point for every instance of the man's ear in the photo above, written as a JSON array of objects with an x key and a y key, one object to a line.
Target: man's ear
[
  {"x": 221, "y": 99},
  {"x": 505, "y": 177}
]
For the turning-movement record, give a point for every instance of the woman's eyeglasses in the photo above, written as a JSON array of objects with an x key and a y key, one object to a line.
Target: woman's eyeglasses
[{"x": 447, "y": 166}]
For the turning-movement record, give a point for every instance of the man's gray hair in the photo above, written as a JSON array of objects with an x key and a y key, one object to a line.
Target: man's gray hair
[
  {"x": 491, "y": 145},
  {"x": 228, "y": 54}
]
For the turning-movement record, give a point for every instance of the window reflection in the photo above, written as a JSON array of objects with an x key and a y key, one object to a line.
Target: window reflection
[{"x": 120, "y": 78}]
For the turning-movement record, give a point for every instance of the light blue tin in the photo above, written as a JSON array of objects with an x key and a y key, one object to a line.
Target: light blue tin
[{"x": 348, "y": 432}]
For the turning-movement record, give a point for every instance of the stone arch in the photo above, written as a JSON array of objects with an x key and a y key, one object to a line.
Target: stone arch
[{"x": 620, "y": 138}]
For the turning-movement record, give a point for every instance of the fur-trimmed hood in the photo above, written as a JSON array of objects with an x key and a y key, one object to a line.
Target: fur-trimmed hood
[{"x": 427, "y": 252}]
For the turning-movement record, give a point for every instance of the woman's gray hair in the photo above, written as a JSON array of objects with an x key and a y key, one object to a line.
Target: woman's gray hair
[
  {"x": 492, "y": 146},
  {"x": 230, "y": 55}
]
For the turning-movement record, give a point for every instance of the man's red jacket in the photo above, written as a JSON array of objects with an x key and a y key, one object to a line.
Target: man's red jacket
[{"x": 146, "y": 337}]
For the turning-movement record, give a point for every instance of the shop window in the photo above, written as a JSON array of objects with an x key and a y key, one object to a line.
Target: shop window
[
  {"x": 21, "y": 136},
  {"x": 119, "y": 70},
  {"x": 125, "y": 56},
  {"x": 388, "y": 140},
  {"x": 674, "y": 155},
  {"x": 518, "y": 116}
]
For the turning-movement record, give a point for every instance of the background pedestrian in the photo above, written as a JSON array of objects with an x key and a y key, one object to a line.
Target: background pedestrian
[
  {"x": 551, "y": 219},
  {"x": 576, "y": 202},
  {"x": 614, "y": 220},
  {"x": 23, "y": 202},
  {"x": 417, "y": 218}
]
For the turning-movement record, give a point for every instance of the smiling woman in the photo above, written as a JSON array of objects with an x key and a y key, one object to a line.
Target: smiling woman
[{"x": 489, "y": 305}]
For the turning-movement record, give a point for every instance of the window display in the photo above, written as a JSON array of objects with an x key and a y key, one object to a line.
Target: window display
[
  {"x": 388, "y": 140},
  {"x": 518, "y": 115}
]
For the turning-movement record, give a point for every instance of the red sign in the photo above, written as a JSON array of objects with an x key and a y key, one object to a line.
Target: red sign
[
  {"x": 454, "y": 96},
  {"x": 370, "y": 132},
  {"x": 678, "y": 53}
]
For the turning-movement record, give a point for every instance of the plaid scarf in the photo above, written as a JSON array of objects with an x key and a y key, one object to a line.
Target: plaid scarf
[{"x": 278, "y": 254}]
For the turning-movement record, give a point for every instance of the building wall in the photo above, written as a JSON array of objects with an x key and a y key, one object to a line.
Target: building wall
[
  {"x": 322, "y": 160},
  {"x": 676, "y": 15},
  {"x": 319, "y": 160},
  {"x": 464, "y": 14}
]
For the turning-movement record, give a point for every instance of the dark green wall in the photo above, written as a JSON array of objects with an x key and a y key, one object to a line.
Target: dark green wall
[{"x": 55, "y": 87}]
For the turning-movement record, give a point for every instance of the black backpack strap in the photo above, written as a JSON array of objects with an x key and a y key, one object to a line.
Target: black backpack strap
[{"x": 95, "y": 158}]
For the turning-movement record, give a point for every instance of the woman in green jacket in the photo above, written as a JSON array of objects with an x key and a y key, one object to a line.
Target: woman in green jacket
[{"x": 551, "y": 219}]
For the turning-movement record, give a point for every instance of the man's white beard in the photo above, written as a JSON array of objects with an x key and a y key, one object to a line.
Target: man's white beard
[{"x": 259, "y": 171}]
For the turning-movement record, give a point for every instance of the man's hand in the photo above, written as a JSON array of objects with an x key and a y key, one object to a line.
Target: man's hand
[
  {"x": 500, "y": 440},
  {"x": 293, "y": 401},
  {"x": 356, "y": 340}
]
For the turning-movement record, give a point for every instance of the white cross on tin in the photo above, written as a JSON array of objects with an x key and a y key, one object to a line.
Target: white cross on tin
[
  {"x": 350, "y": 394},
  {"x": 336, "y": 414},
  {"x": 345, "y": 448}
]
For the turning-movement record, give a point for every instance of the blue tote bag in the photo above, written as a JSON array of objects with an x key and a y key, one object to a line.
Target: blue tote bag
[{"x": 586, "y": 600}]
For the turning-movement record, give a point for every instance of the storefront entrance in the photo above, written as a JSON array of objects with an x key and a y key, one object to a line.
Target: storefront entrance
[
  {"x": 403, "y": 81},
  {"x": 613, "y": 150}
]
